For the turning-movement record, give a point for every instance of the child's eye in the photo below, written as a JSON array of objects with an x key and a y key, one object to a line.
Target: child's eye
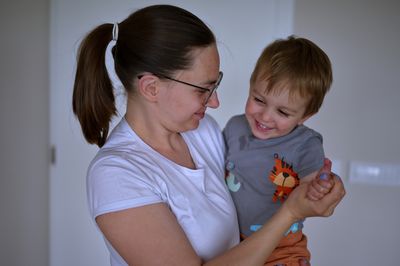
[
  {"x": 283, "y": 113},
  {"x": 258, "y": 100}
]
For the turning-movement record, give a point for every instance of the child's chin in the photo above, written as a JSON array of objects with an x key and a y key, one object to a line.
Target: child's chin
[{"x": 260, "y": 135}]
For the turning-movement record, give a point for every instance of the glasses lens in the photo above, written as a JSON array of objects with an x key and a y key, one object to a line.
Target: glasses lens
[{"x": 212, "y": 90}]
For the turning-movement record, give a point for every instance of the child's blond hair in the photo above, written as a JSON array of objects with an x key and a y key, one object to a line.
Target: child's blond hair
[{"x": 298, "y": 64}]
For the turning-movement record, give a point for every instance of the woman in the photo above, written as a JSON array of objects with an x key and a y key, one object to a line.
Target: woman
[{"x": 156, "y": 188}]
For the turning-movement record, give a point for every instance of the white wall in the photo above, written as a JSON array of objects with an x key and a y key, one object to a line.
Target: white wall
[
  {"x": 360, "y": 122},
  {"x": 24, "y": 132}
]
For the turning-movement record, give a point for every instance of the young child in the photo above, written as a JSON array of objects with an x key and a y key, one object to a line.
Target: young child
[{"x": 269, "y": 150}]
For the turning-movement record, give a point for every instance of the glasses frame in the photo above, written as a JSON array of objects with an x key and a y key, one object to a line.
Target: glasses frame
[{"x": 210, "y": 91}]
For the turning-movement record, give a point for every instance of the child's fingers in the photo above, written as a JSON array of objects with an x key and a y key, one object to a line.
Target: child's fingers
[
  {"x": 324, "y": 176},
  {"x": 325, "y": 184},
  {"x": 321, "y": 185},
  {"x": 327, "y": 165},
  {"x": 335, "y": 196},
  {"x": 325, "y": 170},
  {"x": 312, "y": 197},
  {"x": 315, "y": 191}
]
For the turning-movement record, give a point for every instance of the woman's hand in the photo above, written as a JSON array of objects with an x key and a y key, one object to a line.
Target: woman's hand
[{"x": 301, "y": 206}]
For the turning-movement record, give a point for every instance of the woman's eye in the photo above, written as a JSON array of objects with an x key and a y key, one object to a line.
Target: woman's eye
[{"x": 201, "y": 91}]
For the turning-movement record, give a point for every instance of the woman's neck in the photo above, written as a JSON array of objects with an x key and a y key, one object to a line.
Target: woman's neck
[{"x": 166, "y": 142}]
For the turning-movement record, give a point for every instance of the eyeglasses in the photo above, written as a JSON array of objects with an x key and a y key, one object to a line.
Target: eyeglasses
[{"x": 205, "y": 90}]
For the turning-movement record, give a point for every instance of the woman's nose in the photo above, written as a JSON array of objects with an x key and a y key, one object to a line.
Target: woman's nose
[{"x": 213, "y": 101}]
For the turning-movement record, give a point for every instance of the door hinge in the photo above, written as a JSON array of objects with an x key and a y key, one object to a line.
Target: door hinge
[{"x": 53, "y": 155}]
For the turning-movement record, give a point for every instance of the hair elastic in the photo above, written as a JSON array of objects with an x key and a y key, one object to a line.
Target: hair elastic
[{"x": 115, "y": 32}]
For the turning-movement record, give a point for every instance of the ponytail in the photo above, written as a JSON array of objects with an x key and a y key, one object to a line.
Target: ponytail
[{"x": 93, "y": 98}]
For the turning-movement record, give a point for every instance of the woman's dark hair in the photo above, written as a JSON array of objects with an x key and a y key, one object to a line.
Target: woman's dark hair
[{"x": 156, "y": 39}]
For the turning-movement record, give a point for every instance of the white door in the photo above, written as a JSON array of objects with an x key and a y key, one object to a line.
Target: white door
[{"x": 242, "y": 30}]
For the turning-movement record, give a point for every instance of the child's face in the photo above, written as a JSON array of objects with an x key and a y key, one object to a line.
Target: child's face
[{"x": 274, "y": 114}]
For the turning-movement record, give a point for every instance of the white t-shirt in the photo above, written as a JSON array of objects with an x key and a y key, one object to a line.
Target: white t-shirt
[{"x": 128, "y": 173}]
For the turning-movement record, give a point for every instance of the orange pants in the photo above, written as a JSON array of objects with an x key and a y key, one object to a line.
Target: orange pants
[{"x": 290, "y": 250}]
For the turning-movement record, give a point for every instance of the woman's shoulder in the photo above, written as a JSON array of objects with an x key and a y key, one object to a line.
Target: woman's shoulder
[
  {"x": 121, "y": 152},
  {"x": 209, "y": 120},
  {"x": 118, "y": 180},
  {"x": 207, "y": 135}
]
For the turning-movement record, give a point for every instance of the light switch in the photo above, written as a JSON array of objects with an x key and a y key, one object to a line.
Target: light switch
[{"x": 375, "y": 173}]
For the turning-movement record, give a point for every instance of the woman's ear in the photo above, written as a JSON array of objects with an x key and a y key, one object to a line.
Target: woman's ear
[{"x": 148, "y": 87}]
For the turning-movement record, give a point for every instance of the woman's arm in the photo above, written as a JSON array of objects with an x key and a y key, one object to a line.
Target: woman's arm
[
  {"x": 255, "y": 250},
  {"x": 151, "y": 235},
  {"x": 148, "y": 235}
]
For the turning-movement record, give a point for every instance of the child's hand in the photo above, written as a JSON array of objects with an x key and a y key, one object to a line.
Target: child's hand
[{"x": 322, "y": 183}]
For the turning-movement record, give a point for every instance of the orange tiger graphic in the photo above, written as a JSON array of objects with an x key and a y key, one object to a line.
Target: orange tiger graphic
[{"x": 284, "y": 178}]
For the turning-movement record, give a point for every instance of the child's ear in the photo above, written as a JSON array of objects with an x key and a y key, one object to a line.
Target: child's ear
[
  {"x": 304, "y": 119},
  {"x": 148, "y": 87}
]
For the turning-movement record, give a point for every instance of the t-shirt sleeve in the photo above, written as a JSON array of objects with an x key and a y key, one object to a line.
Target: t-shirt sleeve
[
  {"x": 311, "y": 156},
  {"x": 113, "y": 185}
]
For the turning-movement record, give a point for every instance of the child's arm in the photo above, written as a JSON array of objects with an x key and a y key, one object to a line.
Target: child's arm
[{"x": 320, "y": 182}]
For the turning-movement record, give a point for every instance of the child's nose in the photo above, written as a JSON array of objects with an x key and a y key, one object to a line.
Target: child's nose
[{"x": 267, "y": 115}]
